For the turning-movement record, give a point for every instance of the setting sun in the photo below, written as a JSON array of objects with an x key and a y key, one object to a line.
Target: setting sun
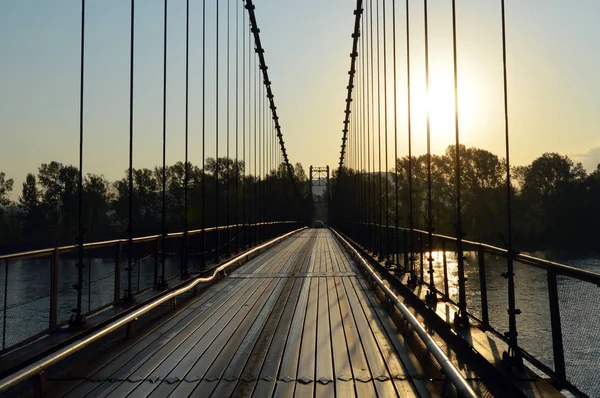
[{"x": 439, "y": 102}]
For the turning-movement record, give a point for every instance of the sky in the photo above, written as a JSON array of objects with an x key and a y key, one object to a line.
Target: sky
[{"x": 553, "y": 82}]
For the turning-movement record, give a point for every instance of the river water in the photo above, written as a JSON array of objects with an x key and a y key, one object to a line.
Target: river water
[
  {"x": 28, "y": 301},
  {"x": 579, "y": 304}
]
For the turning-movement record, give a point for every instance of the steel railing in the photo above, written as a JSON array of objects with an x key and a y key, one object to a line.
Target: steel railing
[
  {"x": 38, "y": 288},
  {"x": 458, "y": 381},
  {"x": 549, "y": 295},
  {"x": 38, "y": 367}
]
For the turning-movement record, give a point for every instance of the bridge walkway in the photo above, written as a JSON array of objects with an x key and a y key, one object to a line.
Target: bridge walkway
[{"x": 297, "y": 320}]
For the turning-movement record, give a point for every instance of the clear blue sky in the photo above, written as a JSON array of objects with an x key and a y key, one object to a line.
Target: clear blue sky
[{"x": 553, "y": 79}]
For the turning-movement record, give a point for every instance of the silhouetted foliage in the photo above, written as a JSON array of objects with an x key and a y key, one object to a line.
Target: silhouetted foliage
[
  {"x": 46, "y": 213},
  {"x": 555, "y": 203}
]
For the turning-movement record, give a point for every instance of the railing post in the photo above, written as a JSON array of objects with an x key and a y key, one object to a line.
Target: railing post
[
  {"x": 184, "y": 253},
  {"x": 445, "y": 262},
  {"x": 117, "y": 291},
  {"x": 421, "y": 257},
  {"x": 53, "y": 319},
  {"x": 557, "y": 340},
  {"x": 483, "y": 287},
  {"x": 406, "y": 259},
  {"x": 5, "y": 305},
  {"x": 156, "y": 254}
]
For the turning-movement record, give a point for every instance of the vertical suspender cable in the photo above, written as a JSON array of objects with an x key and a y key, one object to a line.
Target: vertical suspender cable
[
  {"x": 187, "y": 171},
  {"x": 396, "y": 191},
  {"x": 203, "y": 224},
  {"x": 385, "y": 129},
  {"x": 512, "y": 311},
  {"x": 461, "y": 317},
  {"x": 217, "y": 232},
  {"x": 368, "y": 241},
  {"x": 244, "y": 190},
  {"x": 431, "y": 295},
  {"x": 163, "y": 228},
  {"x": 264, "y": 165},
  {"x": 261, "y": 158},
  {"x": 411, "y": 221},
  {"x": 78, "y": 318},
  {"x": 373, "y": 179},
  {"x": 129, "y": 294},
  {"x": 227, "y": 162},
  {"x": 352, "y": 149},
  {"x": 237, "y": 124},
  {"x": 379, "y": 191},
  {"x": 255, "y": 177},
  {"x": 259, "y": 161},
  {"x": 363, "y": 210}
]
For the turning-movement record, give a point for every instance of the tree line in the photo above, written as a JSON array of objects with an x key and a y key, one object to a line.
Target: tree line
[
  {"x": 555, "y": 203},
  {"x": 46, "y": 211}
]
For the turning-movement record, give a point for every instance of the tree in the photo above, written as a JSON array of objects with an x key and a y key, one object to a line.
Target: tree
[
  {"x": 29, "y": 201},
  {"x": 96, "y": 204},
  {"x": 6, "y": 187},
  {"x": 546, "y": 173}
]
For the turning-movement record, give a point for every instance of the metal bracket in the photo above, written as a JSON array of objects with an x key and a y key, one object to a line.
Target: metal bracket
[
  {"x": 461, "y": 320},
  {"x": 39, "y": 385}
]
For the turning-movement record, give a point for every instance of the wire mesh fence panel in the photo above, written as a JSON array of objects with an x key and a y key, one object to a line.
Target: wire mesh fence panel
[
  {"x": 497, "y": 292},
  {"x": 452, "y": 271},
  {"x": 27, "y": 299},
  {"x": 123, "y": 265},
  {"x": 145, "y": 271},
  {"x": 534, "y": 324},
  {"x": 100, "y": 273},
  {"x": 440, "y": 266},
  {"x": 472, "y": 283},
  {"x": 4, "y": 267},
  {"x": 579, "y": 303},
  {"x": 195, "y": 251},
  {"x": 173, "y": 266},
  {"x": 173, "y": 256},
  {"x": 67, "y": 279}
]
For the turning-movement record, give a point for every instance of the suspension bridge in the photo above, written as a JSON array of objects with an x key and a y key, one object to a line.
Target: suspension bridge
[{"x": 243, "y": 277}]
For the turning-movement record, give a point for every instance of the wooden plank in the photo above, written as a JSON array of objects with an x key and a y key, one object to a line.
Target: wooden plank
[
  {"x": 273, "y": 361},
  {"x": 266, "y": 341},
  {"x": 119, "y": 347},
  {"x": 230, "y": 372},
  {"x": 417, "y": 375},
  {"x": 183, "y": 350},
  {"x": 360, "y": 369},
  {"x": 256, "y": 262},
  {"x": 324, "y": 377},
  {"x": 271, "y": 368},
  {"x": 191, "y": 366},
  {"x": 206, "y": 373},
  {"x": 329, "y": 260},
  {"x": 306, "y": 364},
  {"x": 286, "y": 385},
  {"x": 379, "y": 371},
  {"x": 272, "y": 338},
  {"x": 389, "y": 354},
  {"x": 344, "y": 385},
  {"x": 129, "y": 360}
]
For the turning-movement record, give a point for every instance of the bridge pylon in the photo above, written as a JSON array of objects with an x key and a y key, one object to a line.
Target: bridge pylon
[{"x": 319, "y": 202}]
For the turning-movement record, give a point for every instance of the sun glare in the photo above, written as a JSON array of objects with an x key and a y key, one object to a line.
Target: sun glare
[{"x": 439, "y": 103}]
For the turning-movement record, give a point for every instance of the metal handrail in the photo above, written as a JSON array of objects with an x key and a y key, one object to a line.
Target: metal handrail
[
  {"x": 560, "y": 269},
  {"x": 95, "y": 245},
  {"x": 462, "y": 387},
  {"x": 37, "y": 367}
]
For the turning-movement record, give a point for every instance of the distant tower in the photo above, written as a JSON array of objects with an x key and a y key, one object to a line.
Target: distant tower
[{"x": 319, "y": 201}]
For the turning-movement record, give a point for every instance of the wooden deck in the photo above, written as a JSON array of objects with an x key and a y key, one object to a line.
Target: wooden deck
[{"x": 298, "y": 320}]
